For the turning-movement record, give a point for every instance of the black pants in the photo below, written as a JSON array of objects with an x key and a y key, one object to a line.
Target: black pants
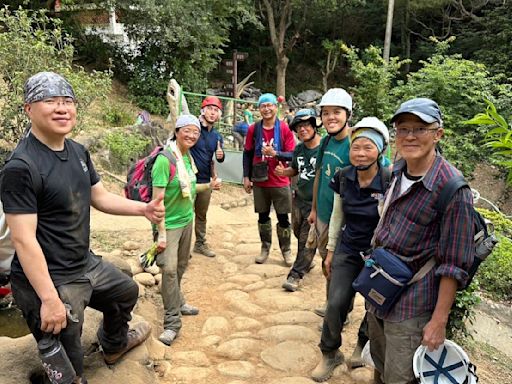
[
  {"x": 104, "y": 288},
  {"x": 345, "y": 268}
]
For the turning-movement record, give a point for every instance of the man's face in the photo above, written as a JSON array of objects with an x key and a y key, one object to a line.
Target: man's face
[
  {"x": 305, "y": 130},
  {"x": 333, "y": 118},
  {"x": 211, "y": 114},
  {"x": 268, "y": 111},
  {"x": 52, "y": 116},
  {"x": 416, "y": 139}
]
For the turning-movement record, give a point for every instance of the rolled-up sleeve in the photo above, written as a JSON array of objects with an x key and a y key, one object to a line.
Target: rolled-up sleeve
[{"x": 456, "y": 245}]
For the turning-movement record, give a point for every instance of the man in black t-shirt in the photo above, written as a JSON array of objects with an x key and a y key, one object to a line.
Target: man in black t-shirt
[
  {"x": 47, "y": 188},
  {"x": 303, "y": 166}
]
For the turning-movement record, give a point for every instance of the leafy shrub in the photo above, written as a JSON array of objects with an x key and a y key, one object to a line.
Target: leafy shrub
[
  {"x": 125, "y": 147},
  {"x": 462, "y": 311},
  {"x": 460, "y": 87},
  {"x": 495, "y": 274},
  {"x": 502, "y": 225},
  {"x": 29, "y": 43},
  {"x": 116, "y": 115}
]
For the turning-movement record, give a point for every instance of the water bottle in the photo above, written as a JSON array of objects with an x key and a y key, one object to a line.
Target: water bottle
[
  {"x": 55, "y": 361},
  {"x": 486, "y": 246}
]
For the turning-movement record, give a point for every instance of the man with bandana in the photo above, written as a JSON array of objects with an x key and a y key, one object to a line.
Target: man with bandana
[
  {"x": 210, "y": 143},
  {"x": 48, "y": 186}
]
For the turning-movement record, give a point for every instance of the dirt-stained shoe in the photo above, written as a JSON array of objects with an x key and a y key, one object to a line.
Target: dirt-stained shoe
[
  {"x": 189, "y": 310},
  {"x": 320, "y": 311},
  {"x": 167, "y": 336},
  {"x": 356, "y": 360},
  {"x": 325, "y": 367},
  {"x": 136, "y": 336},
  {"x": 203, "y": 249},
  {"x": 291, "y": 284}
]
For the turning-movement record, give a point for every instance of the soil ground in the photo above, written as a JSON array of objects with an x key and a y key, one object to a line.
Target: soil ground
[{"x": 216, "y": 284}]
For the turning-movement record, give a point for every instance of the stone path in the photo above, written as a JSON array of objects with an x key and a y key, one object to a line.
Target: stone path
[{"x": 249, "y": 329}]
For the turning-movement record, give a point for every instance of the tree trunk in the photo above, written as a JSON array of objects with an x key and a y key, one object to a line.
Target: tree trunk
[
  {"x": 282, "y": 64},
  {"x": 389, "y": 29}
]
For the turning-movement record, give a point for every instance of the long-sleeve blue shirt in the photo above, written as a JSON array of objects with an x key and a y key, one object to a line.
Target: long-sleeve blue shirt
[{"x": 204, "y": 152}]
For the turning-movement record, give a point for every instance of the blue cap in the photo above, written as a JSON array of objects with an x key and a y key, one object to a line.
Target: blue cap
[
  {"x": 369, "y": 134},
  {"x": 267, "y": 98},
  {"x": 427, "y": 110},
  {"x": 184, "y": 120},
  {"x": 306, "y": 114}
]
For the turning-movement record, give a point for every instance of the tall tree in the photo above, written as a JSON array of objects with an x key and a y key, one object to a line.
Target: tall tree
[{"x": 389, "y": 29}]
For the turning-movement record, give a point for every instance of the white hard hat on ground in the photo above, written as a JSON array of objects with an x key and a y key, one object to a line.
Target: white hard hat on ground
[{"x": 448, "y": 364}]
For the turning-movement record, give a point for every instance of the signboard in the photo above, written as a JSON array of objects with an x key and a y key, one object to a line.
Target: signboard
[
  {"x": 227, "y": 63},
  {"x": 230, "y": 71},
  {"x": 241, "y": 56}
]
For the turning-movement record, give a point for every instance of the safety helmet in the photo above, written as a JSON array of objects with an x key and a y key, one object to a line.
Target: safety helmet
[
  {"x": 375, "y": 124},
  {"x": 337, "y": 97},
  {"x": 448, "y": 364},
  {"x": 212, "y": 100},
  {"x": 306, "y": 114}
]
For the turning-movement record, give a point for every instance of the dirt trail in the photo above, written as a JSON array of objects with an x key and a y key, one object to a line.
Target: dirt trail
[{"x": 249, "y": 329}]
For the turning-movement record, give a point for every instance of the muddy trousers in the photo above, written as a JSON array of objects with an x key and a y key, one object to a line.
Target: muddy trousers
[
  {"x": 345, "y": 268},
  {"x": 301, "y": 230},
  {"x": 104, "y": 288},
  {"x": 201, "y": 209},
  {"x": 173, "y": 263},
  {"x": 392, "y": 346}
]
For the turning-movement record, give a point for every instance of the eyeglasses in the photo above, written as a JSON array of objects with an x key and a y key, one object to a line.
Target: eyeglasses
[
  {"x": 191, "y": 132},
  {"x": 416, "y": 132},
  {"x": 267, "y": 106},
  {"x": 55, "y": 102}
]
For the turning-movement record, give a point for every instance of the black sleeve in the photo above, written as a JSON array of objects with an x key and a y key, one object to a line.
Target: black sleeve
[
  {"x": 95, "y": 178},
  {"x": 284, "y": 156},
  {"x": 17, "y": 188},
  {"x": 334, "y": 184},
  {"x": 247, "y": 162}
]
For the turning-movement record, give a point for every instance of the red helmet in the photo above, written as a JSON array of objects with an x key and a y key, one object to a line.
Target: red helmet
[{"x": 212, "y": 100}]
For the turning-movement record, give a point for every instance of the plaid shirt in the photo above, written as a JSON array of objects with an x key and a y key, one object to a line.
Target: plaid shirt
[{"x": 413, "y": 230}]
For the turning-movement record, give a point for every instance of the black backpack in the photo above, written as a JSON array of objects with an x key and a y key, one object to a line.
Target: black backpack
[{"x": 484, "y": 239}]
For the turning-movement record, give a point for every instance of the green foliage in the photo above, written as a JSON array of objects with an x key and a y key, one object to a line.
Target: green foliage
[
  {"x": 30, "y": 42},
  {"x": 495, "y": 274},
  {"x": 116, "y": 115},
  {"x": 374, "y": 79},
  {"x": 501, "y": 223},
  {"x": 182, "y": 39},
  {"x": 462, "y": 311},
  {"x": 125, "y": 147},
  {"x": 499, "y": 138},
  {"x": 460, "y": 87}
]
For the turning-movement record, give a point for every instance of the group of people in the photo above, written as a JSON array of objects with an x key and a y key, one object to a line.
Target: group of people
[{"x": 347, "y": 199}]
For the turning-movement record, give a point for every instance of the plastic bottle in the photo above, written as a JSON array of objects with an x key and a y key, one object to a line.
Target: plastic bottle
[{"x": 55, "y": 361}]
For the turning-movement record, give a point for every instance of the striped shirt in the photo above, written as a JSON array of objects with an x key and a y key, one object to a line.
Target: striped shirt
[{"x": 414, "y": 231}]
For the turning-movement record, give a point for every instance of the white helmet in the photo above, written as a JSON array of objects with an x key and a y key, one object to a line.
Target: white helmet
[
  {"x": 375, "y": 124},
  {"x": 337, "y": 97},
  {"x": 448, "y": 364}
]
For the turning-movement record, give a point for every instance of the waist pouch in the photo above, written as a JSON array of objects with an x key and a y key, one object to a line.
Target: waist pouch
[
  {"x": 260, "y": 171},
  {"x": 385, "y": 277}
]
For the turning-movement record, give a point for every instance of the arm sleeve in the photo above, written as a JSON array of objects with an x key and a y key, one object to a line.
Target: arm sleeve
[
  {"x": 288, "y": 144},
  {"x": 17, "y": 189},
  {"x": 456, "y": 245},
  {"x": 295, "y": 163},
  {"x": 248, "y": 152},
  {"x": 160, "y": 172},
  {"x": 336, "y": 222}
]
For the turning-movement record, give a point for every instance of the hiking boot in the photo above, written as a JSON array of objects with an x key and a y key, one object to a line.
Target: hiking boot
[
  {"x": 167, "y": 336},
  {"x": 137, "y": 335},
  {"x": 203, "y": 249},
  {"x": 291, "y": 284},
  {"x": 266, "y": 241},
  {"x": 325, "y": 367},
  {"x": 284, "y": 235},
  {"x": 321, "y": 310},
  {"x": 188, "y": 310},
  {"x": 355, "y": 360}
]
